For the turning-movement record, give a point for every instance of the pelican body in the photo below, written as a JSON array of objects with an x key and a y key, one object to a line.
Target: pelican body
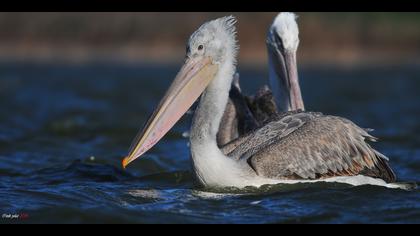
[{"x": 291, "y": 147}]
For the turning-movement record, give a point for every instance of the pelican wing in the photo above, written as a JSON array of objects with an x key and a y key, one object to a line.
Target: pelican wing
[
  {"x": 314, "y": 146},
  {"x": 280, "y": 125}
]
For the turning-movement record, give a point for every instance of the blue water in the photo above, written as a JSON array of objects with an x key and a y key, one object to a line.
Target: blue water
[{"x": 64, "y": 129}]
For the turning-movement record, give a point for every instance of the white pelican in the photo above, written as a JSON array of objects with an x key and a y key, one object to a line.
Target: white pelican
[
  {"x": 244, "y": 113},
  {"x": 282, "y": 44},
  {"x": 292, "y": 147}
]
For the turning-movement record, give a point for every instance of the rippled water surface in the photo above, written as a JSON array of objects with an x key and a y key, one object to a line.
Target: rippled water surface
[{"x": 64, "y": 130}]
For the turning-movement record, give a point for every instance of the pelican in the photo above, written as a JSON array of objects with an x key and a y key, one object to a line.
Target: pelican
[
  {"x": 282, "y": 44},
  {"x": 244, "y": 113},
  {"x": 291, "y": 147}
]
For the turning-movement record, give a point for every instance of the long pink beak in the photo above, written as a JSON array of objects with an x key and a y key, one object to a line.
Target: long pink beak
[
  {"x": 188, "y": 85},
  {"x": 285, "y": 68}
]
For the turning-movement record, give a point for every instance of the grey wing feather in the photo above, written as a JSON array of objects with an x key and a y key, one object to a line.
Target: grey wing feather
[
  {"x": 280, "y": 125},
  {"x": 319, "y": 147}
]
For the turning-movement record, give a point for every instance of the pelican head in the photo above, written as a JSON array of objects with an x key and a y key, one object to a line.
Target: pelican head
[
  {"x": 282, "y": 44},
  {"x": 215, "y": 39},
  {"x": 207, "y": 50}
]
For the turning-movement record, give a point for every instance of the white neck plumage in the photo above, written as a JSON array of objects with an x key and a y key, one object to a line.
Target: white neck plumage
[
  {"x": 211, "y": 166},
  {"x": 212, "y": 104}
]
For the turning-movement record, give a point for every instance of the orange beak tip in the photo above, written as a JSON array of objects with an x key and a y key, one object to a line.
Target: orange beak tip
[{"x": 124, "y": 162}]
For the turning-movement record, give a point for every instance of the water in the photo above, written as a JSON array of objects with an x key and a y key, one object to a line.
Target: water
[{"x": 65, "y": 128}]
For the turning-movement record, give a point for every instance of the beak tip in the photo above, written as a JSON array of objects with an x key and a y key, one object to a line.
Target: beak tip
[{"x": 125, "y": 162}]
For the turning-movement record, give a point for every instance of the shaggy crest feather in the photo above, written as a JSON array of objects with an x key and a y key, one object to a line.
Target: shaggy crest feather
[{"x": 225, "y": 30}]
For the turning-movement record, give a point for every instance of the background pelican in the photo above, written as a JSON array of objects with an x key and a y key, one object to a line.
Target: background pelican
[
  {"x": 244, "y": 113},
  {"x": 293, "y": 147},
  {"x": 282, "y": 44}
]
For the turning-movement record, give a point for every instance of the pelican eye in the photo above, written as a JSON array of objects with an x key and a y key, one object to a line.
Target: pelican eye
[{"x": 200, "y": 47}]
